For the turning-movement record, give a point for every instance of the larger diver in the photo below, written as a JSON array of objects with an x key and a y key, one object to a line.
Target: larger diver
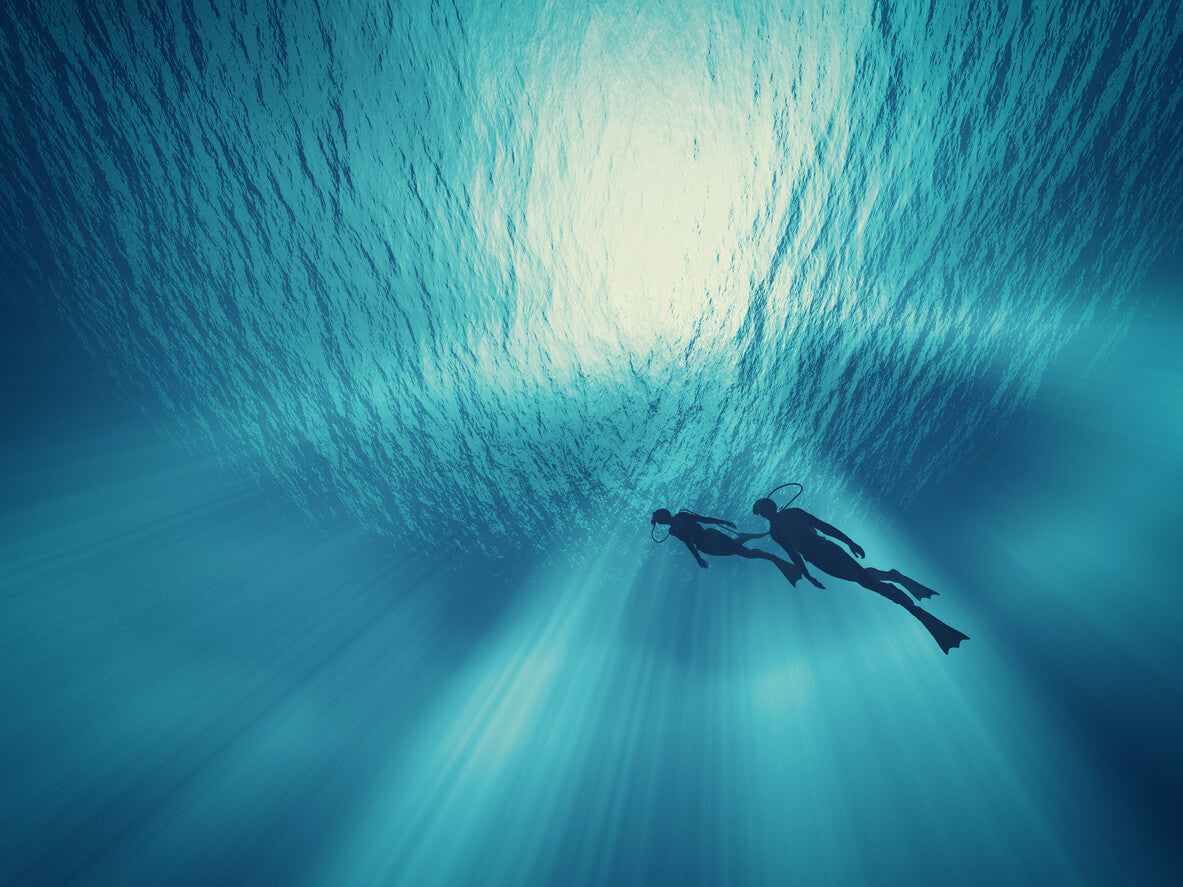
[{"x": 799, "y": 533}]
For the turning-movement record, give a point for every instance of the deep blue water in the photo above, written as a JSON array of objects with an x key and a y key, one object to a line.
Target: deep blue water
[{"x": 348, "y": 349}]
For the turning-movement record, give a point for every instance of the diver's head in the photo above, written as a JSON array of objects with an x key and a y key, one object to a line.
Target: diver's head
[
  {"x": 765, "y": 508},
  {"x": 662, "y": 516}
]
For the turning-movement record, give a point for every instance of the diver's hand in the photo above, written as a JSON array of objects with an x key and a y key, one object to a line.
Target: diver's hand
[
  {"x": 857, "y": 550},
  {"x": 814, "y": 581},
  {"x": 703, "y": 563}
]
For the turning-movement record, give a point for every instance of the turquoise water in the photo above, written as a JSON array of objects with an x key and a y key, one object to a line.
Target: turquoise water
[{"x": 352, "y": 346}]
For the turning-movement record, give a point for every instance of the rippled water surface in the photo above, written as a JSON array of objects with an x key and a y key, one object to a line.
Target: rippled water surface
[
  {"x": 523, "y": 260},
  {"x": 347, "y": 348}
]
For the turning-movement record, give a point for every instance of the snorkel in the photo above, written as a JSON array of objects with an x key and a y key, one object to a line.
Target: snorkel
[
  {"x": 767, "y": 504},
  {"x": 663, "y": 516}
]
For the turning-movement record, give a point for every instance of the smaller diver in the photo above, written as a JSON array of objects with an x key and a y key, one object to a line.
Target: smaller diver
[
  {"x": 798, "y": 533},
  {"x": 688, "y": 526}
]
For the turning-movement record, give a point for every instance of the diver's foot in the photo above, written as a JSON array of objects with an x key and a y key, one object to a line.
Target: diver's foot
[{"x": 918, "y": 591}]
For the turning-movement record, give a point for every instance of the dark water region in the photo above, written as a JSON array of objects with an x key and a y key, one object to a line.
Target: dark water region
[{"x": 347, "y": 351}]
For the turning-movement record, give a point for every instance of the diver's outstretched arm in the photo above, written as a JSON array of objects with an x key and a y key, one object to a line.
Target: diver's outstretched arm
[
  {"x": 829, "y": 530},
  {"x": 709, "y": 520},
  {"x": 698, "y": 557}
]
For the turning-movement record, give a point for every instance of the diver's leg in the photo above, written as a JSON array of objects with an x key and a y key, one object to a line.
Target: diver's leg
[
  {"x": 882, "y": 576},
  {"x": 945, "y": 635},
  {"x": 741, "y": 538},
  {"x": 920, "y": 592},
  {"x": 889, "y": 591},
  {"x": 787, "y": 570},
  {"x": 825, "y": 555},
  {"x": 836, "y": 562},
  {"x": 915, "y": 589}
]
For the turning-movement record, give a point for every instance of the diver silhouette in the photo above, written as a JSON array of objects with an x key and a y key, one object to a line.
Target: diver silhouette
[
  {"x": 798, "y": 533},
  {"x": 688, "y": 526}
]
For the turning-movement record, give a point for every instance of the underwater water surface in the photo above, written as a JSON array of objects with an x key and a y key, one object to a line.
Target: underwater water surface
[{"x": 350, "y": 346}]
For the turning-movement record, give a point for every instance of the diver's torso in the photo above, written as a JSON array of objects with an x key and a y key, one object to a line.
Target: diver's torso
[
  {"x": 685, "y": 527},
  {"x": 791, "y": 532}
]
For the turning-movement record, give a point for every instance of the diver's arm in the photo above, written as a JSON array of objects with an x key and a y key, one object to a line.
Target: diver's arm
[
  {"x": 709, "y": 520},
  {"x": 799, "y": 563},
  {"x": 829, "y": 530},
  {"x": 698, "y": 557}
]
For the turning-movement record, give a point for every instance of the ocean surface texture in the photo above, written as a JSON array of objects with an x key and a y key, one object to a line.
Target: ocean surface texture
[
  {"x": 519, "y": 261},
  {"x": 352, "y": 344}
]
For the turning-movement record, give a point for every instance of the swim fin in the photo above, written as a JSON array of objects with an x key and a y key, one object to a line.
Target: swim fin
[
  {"x": 945, "y": 635},
  {"x": 918, "y": 591}
]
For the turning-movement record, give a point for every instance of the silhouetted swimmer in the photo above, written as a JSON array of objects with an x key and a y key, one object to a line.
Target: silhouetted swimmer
[
  {"x": 688, "y": 526},
  {"x": 797, "y": 532}
]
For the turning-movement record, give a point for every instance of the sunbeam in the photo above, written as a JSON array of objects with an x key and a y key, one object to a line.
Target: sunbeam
[{"x": 349, "y": 349}]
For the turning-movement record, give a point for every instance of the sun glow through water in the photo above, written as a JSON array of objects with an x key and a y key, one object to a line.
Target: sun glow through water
[{"x": 327, "y": 561}]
